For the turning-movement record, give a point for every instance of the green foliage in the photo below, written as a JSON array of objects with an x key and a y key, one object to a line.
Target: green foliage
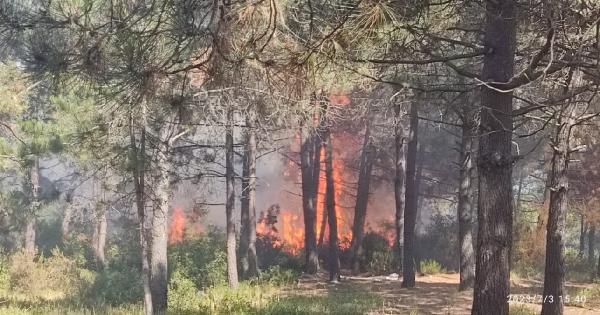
[
  {"x": 378, "y": 256},
  {"x": 440, "y": 241},
  {"x": 115, "y": 287},
  {"x": 13, "y": 88},
  {"x": 202, "y": 259},
  {"x": 277, "y": 275},
  {"x": 430, "y": 267},
  {"x": 520, "y": 309},
  {"x": 183, "y": 294},
  {"x": 54, "y": 277}
]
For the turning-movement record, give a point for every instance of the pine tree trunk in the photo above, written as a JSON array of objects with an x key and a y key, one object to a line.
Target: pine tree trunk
[
  {"x": 248, "y": 259},
  {"x": 582, "y": 234},
  {"x": 554, "y": 275},
  {"x": 138, "y": 172},
  {"x": 465, "y": 208},
  {"x": 160, "y": 228},
  {"x": 232, "y": 276},
  {"x": 591, "y": 243},
  {"x": 362, "y": 198},
  {"x": 99, "y": 237},
  {"x": 494, "y": 237},
  {"x": 334, "y": 260},
  {"x": 399, "y": 165},
  {"x": 67, "y": 215},
  {"x": 309, "y": 201},
  {"x": 411, "y": 200},
  {"x": 30, "y": 225}
]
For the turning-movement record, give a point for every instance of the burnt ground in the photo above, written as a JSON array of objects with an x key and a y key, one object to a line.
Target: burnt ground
[{"x": 433, "y": 294}]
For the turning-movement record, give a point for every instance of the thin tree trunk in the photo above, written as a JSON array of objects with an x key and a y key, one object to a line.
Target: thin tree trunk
[
  {"x": 465, "y": 209},
  {"x": 324, "y": 220},
  {"x": 309, "y": 201},
  {"x": 334, "y": 260},
  {"x": 399, "y": 165},
  {"x": 160, "y": 229},
  {"x": 138, "y": 171},
  {"x": 34, "y": 186},
  {"x": 99, "y": 237},
  {"x": 232, "y": 275},
  {"x": 248, "y": 259},
  {"x": 418, "y": 221},
  {"x": 67, "y": 216},
  {"x": 411, "y": 201},
  {"x": 591, "y": 243},
  {"x": 362, "y": 198},
  {"x": 582, "y": 234},
  {"x": 554, "y": 275},
  {"x": 494, "y": 237}
]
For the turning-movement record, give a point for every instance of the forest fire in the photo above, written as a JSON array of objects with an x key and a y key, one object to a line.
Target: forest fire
[{"x": 177, "y": 226}]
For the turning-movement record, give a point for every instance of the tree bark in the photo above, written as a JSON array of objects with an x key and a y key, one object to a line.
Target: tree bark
[
  {"x": 399, "y": 165},
  {"x": 494, "y": 237},
  {"x": 67, "y": 216},
  {"x": 139, "y": 174},
  {"x": 465, "y": 208},
  {"x": 30, "y": 225},
  {"x": 591, "y": 243},
  {"x": 160, "y": 228},
  {"x": 248, "y": 259},
  {"x": 582, "y": 234},
  {"x": 232, "y": 276},
  {"x": 334, "y": 260},
  {"x": 554, "y": 274},
  {"x": 362, "y": 198},
  {"x": 411, "y": 200},
  {"x": 99, "y": 237},
  {"x": 309, "y": 200}
]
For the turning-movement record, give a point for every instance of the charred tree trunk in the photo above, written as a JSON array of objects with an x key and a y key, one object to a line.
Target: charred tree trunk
[
  {"x": 411, "y": 200},
  {"x": 554, "y": 274},
  {"x": 139, "y": 174},
  {"x": 362, "y": 198},
  {"x": 232, "y": 276},
  {"x": 99, "y": 237},
  {"x": 591, "y": 243},
  {"x": 160, "y": 229},
  {"x": 494, "y": 237},
  {"x": 334, "y": 260},
  {"x": 399, "y": 165},
  {"x": 30, "y": 225},
  {"x": 465, "y": 208},
  {"x": 309, "y": 200},
  {"x": 248, "y": 259}
]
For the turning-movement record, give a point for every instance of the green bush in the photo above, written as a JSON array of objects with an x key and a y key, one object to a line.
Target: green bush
[
  {"x": 115, "y": 287},
  {"x": 439, "y": 242},
  {"x": 183, "y": 294},
  {"x": 277, "y": 275},
  {"x": 430, "y": 267},
  {"x": 203, "y": 259},
  {"x": 53, "y": 277},
  {"x": 378, "y": 256}
]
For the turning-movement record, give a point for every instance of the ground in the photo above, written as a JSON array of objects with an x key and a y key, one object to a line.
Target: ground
[{"x": 433, "y": 294}]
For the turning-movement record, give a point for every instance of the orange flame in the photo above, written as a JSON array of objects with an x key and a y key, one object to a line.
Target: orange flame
[{"x": 177, "y": 227}]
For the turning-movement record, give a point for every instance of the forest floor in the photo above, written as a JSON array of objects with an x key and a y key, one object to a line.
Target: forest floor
[{"x": 436, "y": 294}]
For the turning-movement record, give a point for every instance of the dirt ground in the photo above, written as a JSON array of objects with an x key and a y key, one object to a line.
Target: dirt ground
[{"x": 434, "y": 294}]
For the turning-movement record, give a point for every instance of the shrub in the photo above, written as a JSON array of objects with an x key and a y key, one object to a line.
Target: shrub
[
  {"x": 115, "y": 287},
  {"x": 277, "y": 275},
  {"x": 51, "y": 277},
  {"x": 430, "y": 267},
  {"x": 439, "y": 242},
  {"x": 203, "y": 259},
  {"x": 183, "y": 294}
]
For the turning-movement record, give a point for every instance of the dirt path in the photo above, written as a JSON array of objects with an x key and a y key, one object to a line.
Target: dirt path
[{"x": 435, "y": 294}]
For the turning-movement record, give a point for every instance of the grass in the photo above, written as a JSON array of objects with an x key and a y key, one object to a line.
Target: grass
[{"x": 247, "y": 299}]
